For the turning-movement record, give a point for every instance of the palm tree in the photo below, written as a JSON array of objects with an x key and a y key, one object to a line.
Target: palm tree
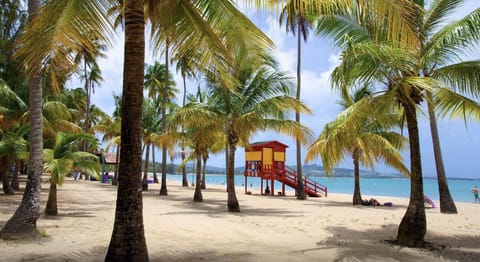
[
  {"x": 259, "y": 102},
  {"x": 22, "y": 225},
  {"x": 436, "y": 61},
  {"x": 412, "y": 75},
  {"x": 199, "y": 136},
  {"x": 185, "y": 69},
  {"x": 296, "y": 20},
  {"x": 214, "y": 146},
  {"x": 91, "y": 76},
  {"x": 366, "y": 137},
  {"x": 13, "y": 148},
  {"x": 151, "y": 123},
  {"x": 128, "y": 238},
  {"x": 62, "y": 158},
  {"x": 159, "y": 81}
]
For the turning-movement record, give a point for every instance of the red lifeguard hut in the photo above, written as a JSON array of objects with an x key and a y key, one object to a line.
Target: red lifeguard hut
[{"x": 266, "y": 160}]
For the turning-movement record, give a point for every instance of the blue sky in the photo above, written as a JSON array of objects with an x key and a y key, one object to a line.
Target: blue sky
[{"x": 460, "y": 144}]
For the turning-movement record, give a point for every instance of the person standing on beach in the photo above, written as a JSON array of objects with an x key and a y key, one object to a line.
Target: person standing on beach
[{"x": 475, "y": 194}]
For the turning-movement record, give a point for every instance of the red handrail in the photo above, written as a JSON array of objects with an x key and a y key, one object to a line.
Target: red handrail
[{"x": 311, "y": 187}]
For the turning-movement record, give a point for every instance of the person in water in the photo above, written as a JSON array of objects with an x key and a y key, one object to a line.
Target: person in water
[{"x": 475, "y": 194}]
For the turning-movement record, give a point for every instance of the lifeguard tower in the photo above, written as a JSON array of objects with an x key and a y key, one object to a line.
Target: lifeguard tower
[{"x": 266, "y": 160}]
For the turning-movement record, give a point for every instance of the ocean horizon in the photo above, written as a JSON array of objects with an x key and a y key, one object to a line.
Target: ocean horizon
[{"x": 460, "y": 188}]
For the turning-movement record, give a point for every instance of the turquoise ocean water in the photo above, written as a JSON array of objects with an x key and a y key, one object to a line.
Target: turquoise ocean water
[{"x": 396, "y": 187}]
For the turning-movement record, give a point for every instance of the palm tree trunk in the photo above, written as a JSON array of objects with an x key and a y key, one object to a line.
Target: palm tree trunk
[
  {"x": 154, "y": 166},
  {"x": 301, "y": 195},
  {"x": 163, "y": 188},
  {"x": 128, "y": 236},
  {"x": 23, "y": 223},
  {"x": 413, "y": 227},
  {"x": 204, "y": 170},
  {"x": 227, "y": 159},
  {"x": 184, "y": 170},
  {"x": 145, "y": 169},
  {"x": 197, "y": 197},
  {"x": 357, "y": 197},
  {"x": 7, "y": 189},
  {"x": 447, "y": 205},
  {"x": 15, "y": 184},
  {"x": 232, "y": 202},
  {"x": 51, "y": 208}
]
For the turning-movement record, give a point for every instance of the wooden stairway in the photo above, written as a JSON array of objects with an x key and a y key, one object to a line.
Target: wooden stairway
[{"x": 312, "y": 188}]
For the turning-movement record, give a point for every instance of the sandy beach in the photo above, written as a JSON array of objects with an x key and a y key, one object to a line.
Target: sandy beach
[{"x": 278, "y": 228}]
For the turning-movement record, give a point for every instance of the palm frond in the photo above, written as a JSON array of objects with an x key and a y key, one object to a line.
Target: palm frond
[
  {"x": 463, "y": 77},
  {"x": 453, "y": 40},
  {"x": 456, "y": 105},
  {"x": 59, "y": 31}
]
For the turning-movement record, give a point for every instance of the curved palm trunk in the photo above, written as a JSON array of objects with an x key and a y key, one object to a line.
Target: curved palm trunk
[
  {"x": 117, "y": 163},
  {"x": 128, "y": 236},
  {"x": 301, "y": 195},
  {"x": 232, "y": 202},
  {"x": 184, "y": 169},
  {"x": 357, "y": 197},
  {"x": 204, "y": 170},
  {"x": 412, "y": 229},
  {"x": 145, "y": 170},
  {"x": 197, "y": 197},
  {"x": 163, "y": 188},
  {"x": 23, "y": 224},
  {"x": 447, "y": 205},
  {"x": 51, "y": 208},
  {"x": 154, "y": 166}
]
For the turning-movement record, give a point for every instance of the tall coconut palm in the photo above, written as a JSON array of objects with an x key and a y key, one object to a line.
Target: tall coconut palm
[
  {"x": 439, "y": 51},
  {"x": 151, "y": 126},
  {"x": 185, "y": 69},
  {"x": 23, "y": 223},
  {"x": 260, "y": 102},
  {"x": 91, "y": 75},
  {"x": 199, "y": 136},
  {"x": 296, "y": 20},
  {"x": 63, "y": 158},
  {"x": 216, "y": 145},
  {"x": 407, "y": 73},
  {"x": 381, "y": 64},
  {"x": 369, "y": 58},
  {"x": 128, "y": 238},
  {"x": 363, "y": 133},
  {"x": 160, "y": 85}
]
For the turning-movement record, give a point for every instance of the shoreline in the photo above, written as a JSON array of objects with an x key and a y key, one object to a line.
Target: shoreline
[
  {"x": 386, "y": 188},
  {"x": 269, "y": 228}
]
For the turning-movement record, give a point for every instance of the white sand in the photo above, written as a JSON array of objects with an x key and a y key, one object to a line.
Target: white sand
[{"x": 267, "y": 229}]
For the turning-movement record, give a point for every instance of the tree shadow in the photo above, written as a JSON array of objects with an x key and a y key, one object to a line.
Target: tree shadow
[
  {"x": 216, "y": 208},
  {"x": 377, "y": 245}
]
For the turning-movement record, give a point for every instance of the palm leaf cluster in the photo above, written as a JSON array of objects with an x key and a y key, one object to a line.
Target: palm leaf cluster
[{"x": 408, "y": 76}]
